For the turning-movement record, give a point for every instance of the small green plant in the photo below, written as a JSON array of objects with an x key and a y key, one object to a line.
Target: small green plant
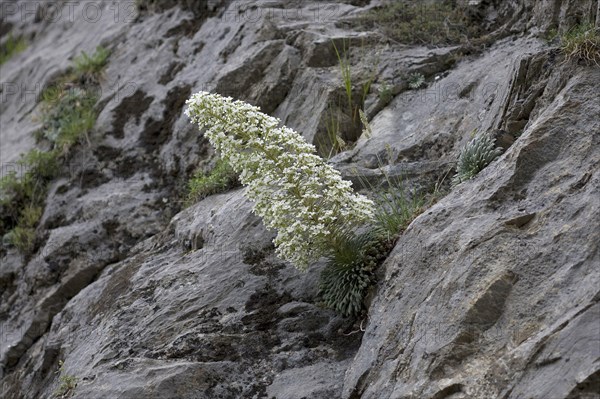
[
  {"x": 335, "y": 143},
  {"x": 11, "y": 47},
  {"x": 354, "y": 257},
  {"x": 385, "y": 93},
  {"x": 475, "y": 156},
  {"x": 68, "y": 383},
  {"x": 89, "y": 67},
  {"x": 221, "y": 178},
  {"x": 346, "y": 70},
  {"x": 350, "y": 270},
  {"x": 22, "y": 198},
  {"x": 68, "y": 117},
  {"x": 42, "y": 165},
  {"x": 23, "y": 238},
  {"x": 582, "y": 42},
  {"x": 395, "y": 209},
  {"x": 415, "y": 80}
]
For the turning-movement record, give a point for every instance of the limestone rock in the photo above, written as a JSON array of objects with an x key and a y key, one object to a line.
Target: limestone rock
[{"x": 490, "y": 293}]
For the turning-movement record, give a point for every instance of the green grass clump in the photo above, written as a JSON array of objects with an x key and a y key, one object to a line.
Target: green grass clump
[
  {"x": 350, "y": 271},
  {"x": 68, "y": 112},
  {"x": 69, "y": 117},
  {"x": 23, "y": 235},
  {"x": 89, "y": 67},
  {"x": 68, "y": 383},
  {"x": 395, "y": 210},
  {"x": 395, "y": 207},
  {"x": 221, "y": 178},
  {"x": 23, "y": 238},
  {"x": 333, "y": 142},
  {"x": 415, "y": 80},
  {"x": 419, "y": 22},
  {"x": 43, "y": 165},
  {"x": 475, "y": 156},
  {"x": 11, "y": 47},
  {"x": 582, "y": 42},
  {"x": 346, "y": 71},
  {"x": 351, "y": 106},
  {"x": 22, "y": 198}
]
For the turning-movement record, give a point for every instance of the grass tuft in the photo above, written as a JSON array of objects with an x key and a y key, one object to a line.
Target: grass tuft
[
  {"x": 68, "y": 115},
  {"x": 582, "y": 42},
  {"x": 22, "y": 198},
  {"x": 89, "y": 67},
  {"x": 68, "y": 383},
  {"x": 333, "y": 142},
  {"x": 350, "y": 271},
  {"x": 23, "y": 236},
  {"x": 220, "y": 179},
  {"x": 346, "y": 71},
  {"x": 11, "y": 47},
  {"x": 336, "y": 141},
  {"x": 475, "y": 156},
  {"x": 396, "y": 209},
  {"x": 415, "y": 80}
]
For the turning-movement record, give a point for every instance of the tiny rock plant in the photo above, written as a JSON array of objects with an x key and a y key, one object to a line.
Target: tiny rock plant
[
  {"x": 294, "y": 190},
  {"x": 69, "y": 117},
  {"x": 350, "y": 270},
  {"x": 68, "y": 383},
  {"x": 11, "y": 47},
  {"x": 582, "y": 42},
  {"x": 355, "y": 256},
  {"x": 415, "y": 80},
  {"x": 475, "y": 156},
  {"x": 385, "y": 93},
  {"x": 88, "y": 67},
  {"x": 220, "y": 178}
]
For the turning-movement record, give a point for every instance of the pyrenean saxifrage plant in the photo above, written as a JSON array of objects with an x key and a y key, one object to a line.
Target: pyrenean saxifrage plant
[{"x": 294, "y": 190}]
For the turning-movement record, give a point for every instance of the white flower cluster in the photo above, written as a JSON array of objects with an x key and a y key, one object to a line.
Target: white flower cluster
[{"x": 293, "y": 189}]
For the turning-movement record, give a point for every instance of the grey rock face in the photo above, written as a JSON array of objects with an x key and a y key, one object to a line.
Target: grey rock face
[
  {"x": 170, "y": 322},
  {"x": 493, "y": 288},
  {"x": 490, "y": 293}
]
